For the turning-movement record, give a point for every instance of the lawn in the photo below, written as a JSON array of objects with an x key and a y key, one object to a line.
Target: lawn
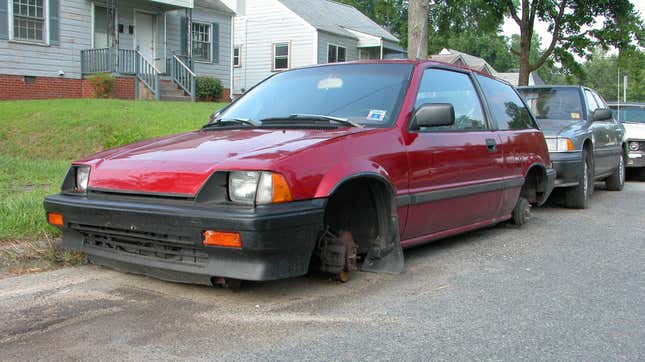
[{"x": 39, "y": 139}]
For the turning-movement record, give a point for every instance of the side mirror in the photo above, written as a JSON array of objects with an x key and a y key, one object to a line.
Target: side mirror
[
  {"x": 433, "y": 115},
  {"x": 601, "y": 115}
]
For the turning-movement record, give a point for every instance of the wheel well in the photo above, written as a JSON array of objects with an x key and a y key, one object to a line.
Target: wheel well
[
  {"x": 588, "y": 146},
  {"x": 534, "y": 185},
  {"x": 362, "y": 206}
]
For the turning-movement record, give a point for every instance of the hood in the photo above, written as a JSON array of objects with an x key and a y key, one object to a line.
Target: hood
[
  {"x": 556, "y": 127},
  {"x": 634, "y": 131},
  {"x": 180, "y": 164}
]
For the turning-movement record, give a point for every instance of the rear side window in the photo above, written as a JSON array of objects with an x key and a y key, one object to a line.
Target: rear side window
[
  {"x": 443, "y": 86},
  {"x": 505, "y": 105}
]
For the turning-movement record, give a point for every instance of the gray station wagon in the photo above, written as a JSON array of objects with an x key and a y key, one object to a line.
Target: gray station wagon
[
  {"x": 585, "y": 141},
  {"x": 632, "y": 117}
]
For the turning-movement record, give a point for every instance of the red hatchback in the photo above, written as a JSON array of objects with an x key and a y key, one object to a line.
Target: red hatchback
[{"x": 335, "y": 167}]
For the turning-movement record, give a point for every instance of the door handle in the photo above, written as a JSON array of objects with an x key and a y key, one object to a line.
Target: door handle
[{"x": 491, "y": 145}]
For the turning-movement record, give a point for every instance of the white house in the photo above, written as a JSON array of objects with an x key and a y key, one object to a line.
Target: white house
[{"x": 275, "y": 35}]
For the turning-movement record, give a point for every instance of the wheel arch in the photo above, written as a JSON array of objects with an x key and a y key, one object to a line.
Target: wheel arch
[{"x": 535, "y": 184}]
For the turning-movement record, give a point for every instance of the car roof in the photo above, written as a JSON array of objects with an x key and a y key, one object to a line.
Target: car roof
[
  {"x": 550, "y": 86},
  {"x": 628, "y": 104},
  {"x": 414, "y": 62}
]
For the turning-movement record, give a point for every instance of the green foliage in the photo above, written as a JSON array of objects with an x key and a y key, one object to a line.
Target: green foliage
[
  {"x": 574, "y": 29},
  {"x": 601, "y": 73},
  {"x": 39, "y": 139},
  {"x": 208, "y": 89},
  {"x": 102, "y": 84}
]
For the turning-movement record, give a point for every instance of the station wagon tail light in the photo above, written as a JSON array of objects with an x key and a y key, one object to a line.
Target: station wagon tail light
[
  {"x": 258, "y": 187},
  {"x": 55, "y": 219},
  {"x": 82, "y": 178},
  {"x": 560, "y": 144},
  {"x": 222, "y": 239}
]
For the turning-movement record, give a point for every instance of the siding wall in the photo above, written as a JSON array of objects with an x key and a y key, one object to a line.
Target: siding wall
[
  {"x": 220, "y": 70},
  {"x": 268, "y": 22},
  {"x": 75, "y": 35},
  {"x": 324, "y": 39},
  {"x": 46, "y": 61}
]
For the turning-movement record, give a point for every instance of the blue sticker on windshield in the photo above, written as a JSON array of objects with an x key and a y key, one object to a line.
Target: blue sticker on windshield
[{"x": 376, "y": 115}]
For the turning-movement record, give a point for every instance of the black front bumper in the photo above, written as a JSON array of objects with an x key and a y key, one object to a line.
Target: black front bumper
[
  {"x": 569, "y": 167},
  {"x": 163, "y": 239}
]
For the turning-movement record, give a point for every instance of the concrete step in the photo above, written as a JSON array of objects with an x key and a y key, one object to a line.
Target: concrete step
[
  {"x": 173, "y": 92},
  {"x": 165, "y": 98}
]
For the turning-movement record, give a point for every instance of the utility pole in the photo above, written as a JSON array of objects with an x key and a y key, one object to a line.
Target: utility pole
[
  {"x": 625, "y": 78},
  {"x": 418, "y": 29}
]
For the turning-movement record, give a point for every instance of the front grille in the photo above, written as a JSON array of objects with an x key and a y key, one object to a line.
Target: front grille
[{"x": 144, "y": 244}]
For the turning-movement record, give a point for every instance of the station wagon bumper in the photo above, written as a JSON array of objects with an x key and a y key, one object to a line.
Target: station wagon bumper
[
  {"x": 568, "y": 166},
  {"x": 164, "y": 240},
  {"x": 635, "y": 159}
]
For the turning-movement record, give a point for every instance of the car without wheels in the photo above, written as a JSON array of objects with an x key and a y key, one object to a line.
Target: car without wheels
[
  {"x": 334, "y": 167},
  {"x": 632, "y": 117},
  {"x": 585, "y": 141}
]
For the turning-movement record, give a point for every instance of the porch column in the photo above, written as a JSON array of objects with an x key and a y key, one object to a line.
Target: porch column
[{"x": 113, "y": 23}]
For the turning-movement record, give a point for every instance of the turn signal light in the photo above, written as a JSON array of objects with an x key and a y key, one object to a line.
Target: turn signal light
[
  {"x": 222, "y": 239},
  {"x": 55, "y": 219},
  {"x": 281, "y": 192},
  {"x": 570, "y": 146}
]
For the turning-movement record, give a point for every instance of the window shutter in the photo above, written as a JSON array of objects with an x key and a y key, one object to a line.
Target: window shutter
[
  {"x": 4, "y": 20},
  {"x": 54, "y": 22},
  {"x": 183, "y": 39},
  {"x": 215, "y": 57}
]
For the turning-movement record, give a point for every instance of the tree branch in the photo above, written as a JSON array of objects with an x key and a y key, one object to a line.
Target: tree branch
[
  {"x": 515, "y": 52},
  {"x": 513, "y": 12},
  {"x": 557, "y": 24}
]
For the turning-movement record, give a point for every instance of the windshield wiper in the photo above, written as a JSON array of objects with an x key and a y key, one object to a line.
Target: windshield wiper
[
  {"x": 221, "y": 122},
  {"x": 313, "y": 117}
]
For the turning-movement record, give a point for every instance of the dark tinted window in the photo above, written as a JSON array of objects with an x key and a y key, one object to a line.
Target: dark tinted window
[
  {"x": 505, "y": 105},
  {"x": 629, "y": 114},
  {"x": 554, "y": 103},
  {"x": 442, "y": 86}
]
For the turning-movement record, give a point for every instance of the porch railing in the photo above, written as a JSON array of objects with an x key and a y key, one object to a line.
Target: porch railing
[
  {"x": 183, "y": 76},
  {"x": 122, "y": 61},
  {"x": 148, "y": 74}
]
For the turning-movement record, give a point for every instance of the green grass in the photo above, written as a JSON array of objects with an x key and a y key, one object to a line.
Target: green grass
[{"x": 39, "y": 139}]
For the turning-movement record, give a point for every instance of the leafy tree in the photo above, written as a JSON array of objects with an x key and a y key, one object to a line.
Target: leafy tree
[{"x": 571, "y": 23}]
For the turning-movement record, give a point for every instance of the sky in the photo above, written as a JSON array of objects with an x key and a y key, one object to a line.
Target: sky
[{"x": 510, "y": 27}]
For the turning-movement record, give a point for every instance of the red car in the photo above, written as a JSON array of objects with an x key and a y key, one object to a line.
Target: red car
[{"x": 335, "y": 167}]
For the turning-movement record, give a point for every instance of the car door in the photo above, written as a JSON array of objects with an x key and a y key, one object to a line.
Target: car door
[
  {"x": 616, "y": 131},
  {"x": 455, "y": 171},
  {"x": 602, "y": 131}
]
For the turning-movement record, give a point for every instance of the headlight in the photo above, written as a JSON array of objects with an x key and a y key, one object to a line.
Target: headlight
[
  {"x": 82, "y": 178},
  {"x": 249, "y": 187},
  {"x": 634, "y": 146},
  {"x": 559, "y": 144}
]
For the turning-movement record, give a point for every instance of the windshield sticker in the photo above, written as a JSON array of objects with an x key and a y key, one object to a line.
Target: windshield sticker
[
  {"x": 575, "y": 115},
  {"x": 376, "y": 115}
]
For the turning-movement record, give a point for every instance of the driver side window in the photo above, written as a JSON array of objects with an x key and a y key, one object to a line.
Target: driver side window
[{"x": 444, "y": 86}]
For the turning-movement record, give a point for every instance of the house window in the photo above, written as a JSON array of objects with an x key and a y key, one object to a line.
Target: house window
[
  {"x": 280, "y": 56},
  {"x": 29, "y": 20},
  {"x": 237, "y": 57},
  {"x": 201, "y": 42},
  {"x": 336, "y": 53}
]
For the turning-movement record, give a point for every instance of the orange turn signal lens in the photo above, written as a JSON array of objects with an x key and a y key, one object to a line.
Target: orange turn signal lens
[
  {"x": 55, "y": 219},
  {"x": 281, "y": 192},
  {"x": 222, "y": 239},
  {"x": 570, "y": 146}
]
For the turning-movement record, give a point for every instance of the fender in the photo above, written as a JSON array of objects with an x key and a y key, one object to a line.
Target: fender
[{"x": 346, "y": 171}]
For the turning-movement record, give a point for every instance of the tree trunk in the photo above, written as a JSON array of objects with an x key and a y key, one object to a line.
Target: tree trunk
[
  {"x": 418, "y": 29},
  {"x": 525, "y": 50}
]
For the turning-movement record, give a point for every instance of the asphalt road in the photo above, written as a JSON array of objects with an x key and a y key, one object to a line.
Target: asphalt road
[{"x": 570, "y": 285}]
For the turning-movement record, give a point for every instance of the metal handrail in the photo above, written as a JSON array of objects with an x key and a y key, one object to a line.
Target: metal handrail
[
  {"x": 148, "y": 74},
  {"x": 183, "y": 76}
]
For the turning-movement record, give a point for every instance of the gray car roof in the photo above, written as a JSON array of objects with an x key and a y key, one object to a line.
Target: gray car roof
[{"x": 333, "y": 17}]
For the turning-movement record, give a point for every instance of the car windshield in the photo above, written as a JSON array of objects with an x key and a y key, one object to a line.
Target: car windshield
[
  {"x": 363, "y": 94},
  {"x": 628, "y": 114},
  {"x": 554, "y": 103}
]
